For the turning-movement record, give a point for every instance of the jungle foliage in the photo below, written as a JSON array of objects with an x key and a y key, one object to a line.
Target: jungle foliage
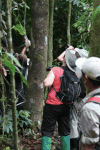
[{"x": 82, "y": 15}]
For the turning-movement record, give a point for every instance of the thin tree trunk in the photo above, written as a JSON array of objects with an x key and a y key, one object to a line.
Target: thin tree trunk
[
  {"x": 50, "y": 34},
  {"x": 0, "y": 22},
  {"x": 3, "y": 99},
  {"x": 1, "y": 77},
  {"x": 12, "y": 79},
  {"x": 95, "y": 33},
  {"x": 37, "y": 70},
  {"x": 50, "y": 40},
  {"x": 68, "y": 24}
]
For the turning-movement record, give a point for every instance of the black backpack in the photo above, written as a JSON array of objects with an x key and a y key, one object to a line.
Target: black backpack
[
  {"x": 83, "y": 90},
  {"x": 70, "y": 86}
]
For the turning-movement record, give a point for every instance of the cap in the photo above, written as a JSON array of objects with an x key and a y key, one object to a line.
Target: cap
[{"x": 90, "y": 67}]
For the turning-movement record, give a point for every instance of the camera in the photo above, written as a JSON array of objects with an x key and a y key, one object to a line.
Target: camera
[
  {"x": 48, "y": 68},
  {"x": 67, "y": 46}
]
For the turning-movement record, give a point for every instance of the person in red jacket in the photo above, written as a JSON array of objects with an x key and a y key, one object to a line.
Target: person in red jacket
[{"x": 54, "y": 110}]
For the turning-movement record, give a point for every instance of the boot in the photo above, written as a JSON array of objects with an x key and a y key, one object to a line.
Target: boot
[
  {"x": 46, "y": 143},
  {"x": 65, "y": 142}
]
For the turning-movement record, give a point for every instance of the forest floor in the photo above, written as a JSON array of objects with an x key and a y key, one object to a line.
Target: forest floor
[{"x": 33, "y": 142}]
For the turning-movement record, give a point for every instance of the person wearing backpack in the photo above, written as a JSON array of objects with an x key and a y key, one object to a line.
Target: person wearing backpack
[
  {"x": 55, "y": 110},
  {"x": 90, "y": 106},
  {"x": 74, "y": 125}
]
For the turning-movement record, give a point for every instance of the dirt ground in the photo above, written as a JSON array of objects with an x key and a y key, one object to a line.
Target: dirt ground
[{"x": 33, "y": 142}]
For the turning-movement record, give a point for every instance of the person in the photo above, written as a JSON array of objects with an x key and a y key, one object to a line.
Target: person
[
  {"x": 20, "y": 87},
  {"x": 54, "y": 110},
  {"x": 74, "y": 126},
  {"x": 90, "y": 106}
]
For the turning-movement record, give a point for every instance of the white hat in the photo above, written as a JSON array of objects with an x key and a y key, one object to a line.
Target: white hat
[
  {"x": 70, "y": 59},
  {"x": 82, "y": 52},
  {"x": 90, "y": 67}
]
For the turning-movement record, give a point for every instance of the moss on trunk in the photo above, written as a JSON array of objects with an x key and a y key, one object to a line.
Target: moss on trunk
[{"x": 95, "y": 34}]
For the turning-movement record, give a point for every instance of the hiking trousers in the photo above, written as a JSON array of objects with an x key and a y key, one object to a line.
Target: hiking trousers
[{"x": 53, "y": 114}]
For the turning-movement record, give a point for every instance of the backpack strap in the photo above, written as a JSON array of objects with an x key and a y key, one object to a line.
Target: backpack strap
[
  {"x": 60, "y": 77},
  {"x": 94, "y": 99}
]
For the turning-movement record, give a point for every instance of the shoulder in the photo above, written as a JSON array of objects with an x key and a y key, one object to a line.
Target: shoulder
[
  {"x": 57, "y": 69},
  {"x": 91, "y": 107}
]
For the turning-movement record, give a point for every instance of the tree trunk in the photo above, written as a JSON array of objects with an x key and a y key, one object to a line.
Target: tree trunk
[
  {"x": 95, "y": 34},
  {"x": 0, "y": 22},
  {"x": 37, "y": 70},
  {"x": 68, "y": 24},
  {"x": 12, "y": 79},
  {"x": 50, "y": 34}
]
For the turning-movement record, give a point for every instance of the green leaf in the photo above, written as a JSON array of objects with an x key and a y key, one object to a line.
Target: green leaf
[
  {"x": 7, "y": 148},
  {"x": 95, "y": 13},
  {"x": 9, "y": 65},
  {"x": 20, "y": 5},
  {"x": 14, "y": 59},
  {"x": 26, "y": 113},
  {"x": 15, "y": 8},
  {"x": 22, "y": 77},
  {"x": 11, "y": 128},
  {"x": 78, "y": 23},
  {"x": 2, "y": 99},
  {"x": 20, "y": 29},
  {"x": 26, "y": 123}
]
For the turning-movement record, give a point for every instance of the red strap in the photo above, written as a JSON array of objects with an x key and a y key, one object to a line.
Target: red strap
[{"x": 94, "y": 99}]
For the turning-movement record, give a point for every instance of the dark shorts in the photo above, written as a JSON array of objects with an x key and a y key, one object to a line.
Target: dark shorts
[{"x": 53, "y": 113}]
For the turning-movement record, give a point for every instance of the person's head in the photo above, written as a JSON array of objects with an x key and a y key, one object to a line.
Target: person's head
[
  {"x": 91, "y": 71},
  {"x": 22, "y": 59}
]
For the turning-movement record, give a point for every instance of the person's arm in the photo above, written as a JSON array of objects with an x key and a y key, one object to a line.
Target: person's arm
[
  {"x": 49, "y": 79},
  {"x": 27, "y": 44},
  {"x": 3, "y": 70},
  {"x": 90, "y": 126},
  {"x": 60, "y": 57},
  {"x": 23, "y": 51},
  {"x": 70, "y": 47}
]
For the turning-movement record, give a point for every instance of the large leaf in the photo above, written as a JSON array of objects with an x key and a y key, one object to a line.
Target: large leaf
[
  {"x": 95, "y": 13},
  {"x": 8, "y": 64},
  {"x": 22, "y": 77},
  {"x": 20, "y": 29},
  {"x": 14, "y": 59}
]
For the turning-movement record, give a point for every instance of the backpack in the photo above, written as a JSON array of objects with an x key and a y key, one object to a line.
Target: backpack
[
  {"x": 70, "y": 86},
  {"x": 83, "y": 90}
]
